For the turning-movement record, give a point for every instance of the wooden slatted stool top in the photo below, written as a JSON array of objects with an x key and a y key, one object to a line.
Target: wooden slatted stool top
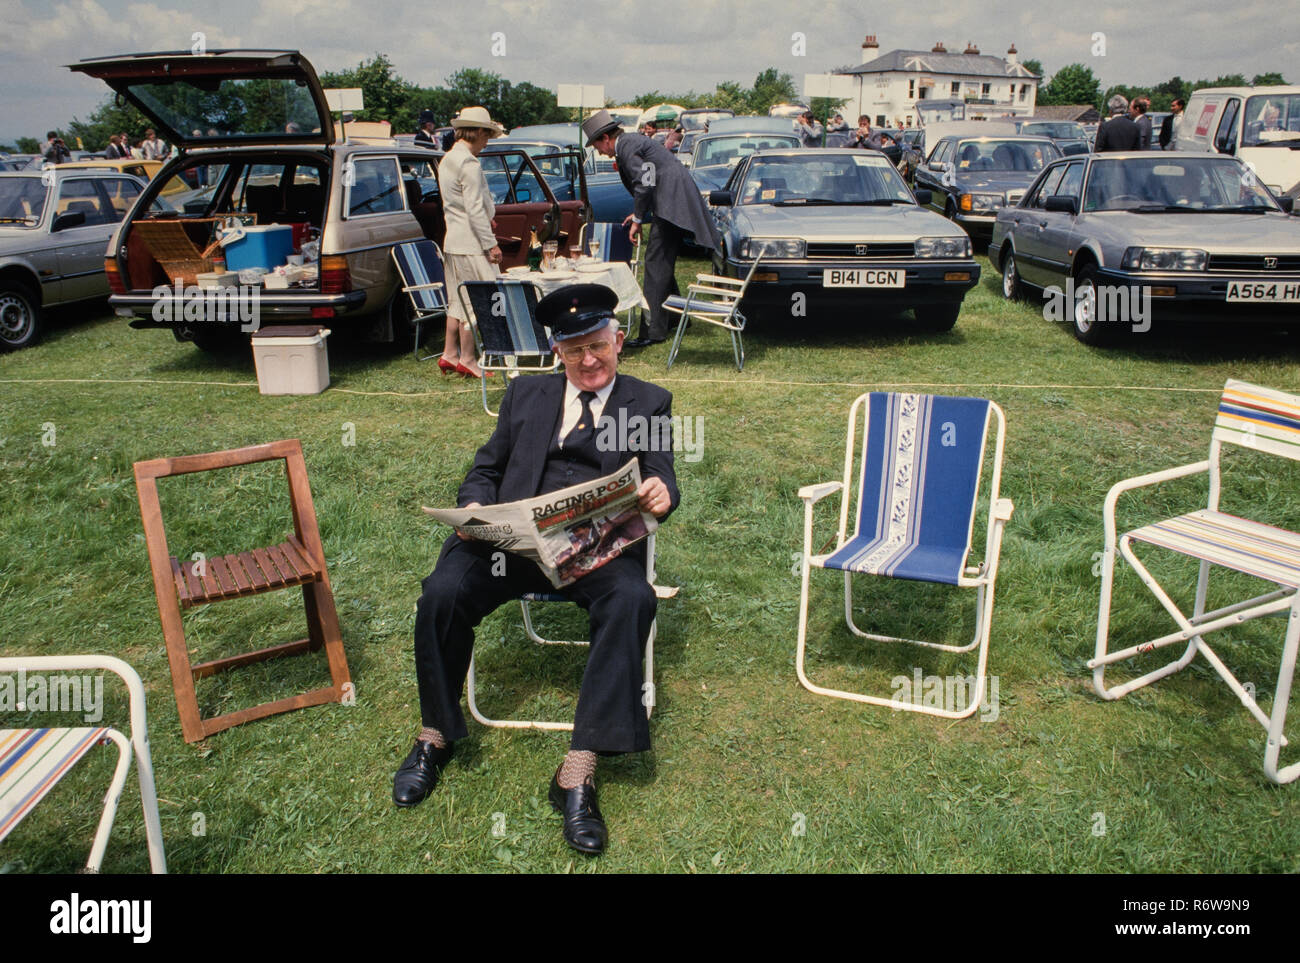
[{"x": 244, "y": 573}]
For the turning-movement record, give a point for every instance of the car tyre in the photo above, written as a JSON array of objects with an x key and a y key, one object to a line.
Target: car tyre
[
  {"x": 20, "y": 316},
  {"x": 221, "y": 341},
  {"x": 937, "y": 317},
  {"x": 1083, "y": 312},
  {"x": 1012, "y": 288}
]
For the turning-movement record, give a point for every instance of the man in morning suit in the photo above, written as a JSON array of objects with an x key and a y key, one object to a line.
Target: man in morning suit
[
  {"x": 661, "y": 186},
  {"x": 546, "y": 438},
  {"x": 1121, "y": 131}
]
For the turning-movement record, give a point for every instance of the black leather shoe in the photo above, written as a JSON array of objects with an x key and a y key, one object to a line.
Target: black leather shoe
[
  {"x": 418, "y": 774},
  {"x": 584, "y": 827},
  {"x": 643, "y": 342}
]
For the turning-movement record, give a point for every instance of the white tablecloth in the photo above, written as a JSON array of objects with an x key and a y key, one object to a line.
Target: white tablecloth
[{"x": 616, "y": 276}]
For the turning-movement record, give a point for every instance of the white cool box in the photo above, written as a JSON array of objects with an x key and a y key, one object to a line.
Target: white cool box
[{"x": 291, "y": 360}]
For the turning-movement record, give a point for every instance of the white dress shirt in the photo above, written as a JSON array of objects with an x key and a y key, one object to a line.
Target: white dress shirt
[{"x": 573, "y": 406}]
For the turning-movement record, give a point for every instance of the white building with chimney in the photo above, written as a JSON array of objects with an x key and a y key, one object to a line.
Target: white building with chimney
[{"x": 909, "y": 87}]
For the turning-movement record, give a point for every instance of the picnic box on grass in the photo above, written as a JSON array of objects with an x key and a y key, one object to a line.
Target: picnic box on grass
[{"x": 291, "y": 360}]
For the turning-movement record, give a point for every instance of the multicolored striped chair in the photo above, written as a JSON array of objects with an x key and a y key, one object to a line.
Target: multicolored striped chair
[
  {"x": 918, "y": 489},
  {"x": 1252, "y": 417},
  {"x": 509, "y": 338},
  {"x": 32, "y": 761}
]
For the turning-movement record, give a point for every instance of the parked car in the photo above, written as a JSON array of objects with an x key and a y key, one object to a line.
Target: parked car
[
  {"x": 716, "y": 156},
  {"x": 54, "y": 226},
  {"x": 1260, "y": 125},
  {"x": 787, "y": 110},
  {"x": 1068, "y": 135},
  {"x": 578, "y": 175},
  {"x": 910, "y": 156},
  {"x": 841, "y": 228},
  {"x": 686, "y": 149},
  {"x": 1158, "y": 118},
  {"x": 699, "y": 118},
  {"x": 143, "y": 169},
  {"x": 361, "y": 199},
  {"x": 971, "y": 178},
  {"x": 1204, "y": 239}
]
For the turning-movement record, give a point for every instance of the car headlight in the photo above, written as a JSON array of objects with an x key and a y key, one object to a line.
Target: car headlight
[
  {"x": 1163, "y": 259},
  {"x": 943, "y": 246},
  {"x": 980, "y": 202},
  {"x": 778, "y": 247}
]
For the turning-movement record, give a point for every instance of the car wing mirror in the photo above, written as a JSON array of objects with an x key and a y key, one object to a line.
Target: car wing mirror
[
  {"x": 523, "y": 195},
  {"x": 68, "y": 219},
  {"x": 937, "y": 166},
  {"x": 1288, "y": 204},
  {"x": 923, "y": 196},
  {"x": 721, "y": 198},
  {"x": 1062, "y": 203}
]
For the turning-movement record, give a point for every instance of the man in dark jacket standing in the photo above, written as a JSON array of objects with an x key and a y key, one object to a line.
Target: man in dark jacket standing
[
  {"x": 661, "y": 186},
  {"x": 1121, "y": 131}
]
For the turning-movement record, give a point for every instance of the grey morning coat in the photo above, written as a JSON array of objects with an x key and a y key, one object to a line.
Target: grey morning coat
[{"x": 667, "y": 190}]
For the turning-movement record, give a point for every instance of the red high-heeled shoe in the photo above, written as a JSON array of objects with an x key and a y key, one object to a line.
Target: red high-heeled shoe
[
  {"x": 445, "y": 366},
  {"x": 470, "y": 374}
]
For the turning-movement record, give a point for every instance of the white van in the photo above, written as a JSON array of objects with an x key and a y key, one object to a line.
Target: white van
[{"x": 1260, "y": 125}]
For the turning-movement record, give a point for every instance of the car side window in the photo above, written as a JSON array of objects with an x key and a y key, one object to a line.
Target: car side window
[
  {"x": 82, "y": 195},
  {"x": 1225, "y": 138},
  {"x": 1071, "y": 181},
  {"x": 121, "y": 195},
  {"x": 375, "y": 188},
  {"x": 1047, "y": 187}
]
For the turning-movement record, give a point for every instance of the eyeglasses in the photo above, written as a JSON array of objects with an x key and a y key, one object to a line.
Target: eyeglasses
[{"x": 575, "y": 353}]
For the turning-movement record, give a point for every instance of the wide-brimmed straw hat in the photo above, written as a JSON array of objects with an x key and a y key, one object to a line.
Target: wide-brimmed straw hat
[{"x": 477, "y": 117}]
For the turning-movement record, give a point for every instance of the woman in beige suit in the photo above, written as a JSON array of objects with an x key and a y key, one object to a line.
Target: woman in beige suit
[{"x": 470, "y": 250}]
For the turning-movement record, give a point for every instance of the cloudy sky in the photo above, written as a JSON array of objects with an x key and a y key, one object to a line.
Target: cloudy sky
[{"x": 630, "y": 46}]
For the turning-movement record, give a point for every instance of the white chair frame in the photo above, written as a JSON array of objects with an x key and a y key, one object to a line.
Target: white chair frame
[
  {"x": 1192, "y": 631},
  {"x": 421, "y": 316},
  {"x": 982, "y": 577},
  {"x": 714, "y": 291},
  {"x": 137, "y": 744},
  {"x": 529, "y": 628}
]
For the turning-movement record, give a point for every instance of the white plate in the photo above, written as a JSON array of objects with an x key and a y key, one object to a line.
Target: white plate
[
  {"x": 559, "y": 275},
  {"x": 594, "y": 268},
  {"x": 518, "y": 272}
]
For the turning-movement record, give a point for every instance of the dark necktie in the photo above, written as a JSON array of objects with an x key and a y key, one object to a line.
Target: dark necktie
[{"x": 585, "y": 429}]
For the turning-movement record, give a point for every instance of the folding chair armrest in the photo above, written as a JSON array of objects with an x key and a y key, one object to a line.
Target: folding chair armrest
[
  {"x": 1002, "y": 509},
  {"x": 815, "y": 493},
  {"x": 1144, "y": 481},
  {"x": 715, "y": 279},
  {"x": 63, "y": 663},
  {"x": 423, "y": 287}
]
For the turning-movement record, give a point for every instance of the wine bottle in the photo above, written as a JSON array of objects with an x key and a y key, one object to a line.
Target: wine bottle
[{"x": 534, "y": 250}]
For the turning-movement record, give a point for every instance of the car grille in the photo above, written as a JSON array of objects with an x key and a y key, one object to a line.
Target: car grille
[
  {"x": 1254, "y": 262},
  {"x": 848, "y": 249}
]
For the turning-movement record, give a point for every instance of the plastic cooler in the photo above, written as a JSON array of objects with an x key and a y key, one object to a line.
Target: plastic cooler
[
  {"x": 263, "y": 246},
  {"x": 291, "y": 360}
]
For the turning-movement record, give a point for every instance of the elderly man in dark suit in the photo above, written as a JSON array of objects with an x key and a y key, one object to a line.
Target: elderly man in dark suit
[
  {"x": 661, "y": 186},
  {"x": 546, "y": 439},
  {"x": 1121, "y": 131}
]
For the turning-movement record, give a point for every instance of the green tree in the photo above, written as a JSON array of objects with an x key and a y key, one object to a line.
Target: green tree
[
  {"x": 771, "y": 87},
  {"x": 28, "y": 145},
  {"x": 386, "y": 95},
  {"x": 1034, "y": 66},
  {"x": 1072, "y": 84},
  {"x": 1273, "y": 79}
]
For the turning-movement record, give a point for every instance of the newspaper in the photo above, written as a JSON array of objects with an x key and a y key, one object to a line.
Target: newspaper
[{"x": 569, "y": 532}]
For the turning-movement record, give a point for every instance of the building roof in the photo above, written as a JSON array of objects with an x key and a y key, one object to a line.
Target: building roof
[
  {"x": 924, "y": 61},
  {"x": 1083, "y": 113}
]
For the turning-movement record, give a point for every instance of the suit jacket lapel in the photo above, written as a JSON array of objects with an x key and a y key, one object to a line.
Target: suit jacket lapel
[
  {"x": 540, "y": 424},
  {"x": 623, "y": 397}
]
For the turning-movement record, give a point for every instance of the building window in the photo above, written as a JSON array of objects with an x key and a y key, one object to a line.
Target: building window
[
  {"x": 984, "y": 90},
  {"x": 911, "y": 90},
  {"x": 956, "y": 88},
  {"x": 1024, "y": 88}
]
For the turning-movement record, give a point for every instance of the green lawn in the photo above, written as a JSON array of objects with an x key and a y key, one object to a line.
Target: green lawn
[{"x": 744, "y": 757}]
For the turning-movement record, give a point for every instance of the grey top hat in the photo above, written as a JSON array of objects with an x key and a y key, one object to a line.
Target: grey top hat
[{"x": 598, "y": 124}]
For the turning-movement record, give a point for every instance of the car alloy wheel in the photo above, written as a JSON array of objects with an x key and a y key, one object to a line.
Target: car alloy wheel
[
  {"x": 1087, "y": 327},
  {"x": 19, "y": 317},
  {"x": 1010, "y": 278}
]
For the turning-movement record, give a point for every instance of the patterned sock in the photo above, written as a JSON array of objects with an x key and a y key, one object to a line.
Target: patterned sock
[
  {"x": 428, "y": 734},
  {"x": 579, "y": 767}
]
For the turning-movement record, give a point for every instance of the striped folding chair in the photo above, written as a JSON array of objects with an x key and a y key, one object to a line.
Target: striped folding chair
[
  {"x": 509, "y": 338},
  {"x": 712, "y": 299},
  {"x": 1251, "y": 417},
  {"x": 609, "y": 242},
  {"x": 419, "y": 264},
  {"x": 32, "y": 761},
  {"x": 917, "y": 489}
]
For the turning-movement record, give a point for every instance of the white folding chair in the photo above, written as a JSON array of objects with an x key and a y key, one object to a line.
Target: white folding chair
[
  {"x": 917, "y": 492},
  {"x": 509, "y": 338},
  {"x": 1251, "y": 417},
  {"x": 712, "y": 299},
  {"x": 32, "y": 761},
  {"x": 419, "y": 264},
  {"x": 525, "y": 602}
]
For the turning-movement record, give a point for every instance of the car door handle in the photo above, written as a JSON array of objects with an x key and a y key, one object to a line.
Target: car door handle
[{"x": 1041, "y": 225}]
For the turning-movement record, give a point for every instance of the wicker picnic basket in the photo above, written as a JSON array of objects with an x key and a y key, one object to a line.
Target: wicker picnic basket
[{"x": 173, "y": 249}]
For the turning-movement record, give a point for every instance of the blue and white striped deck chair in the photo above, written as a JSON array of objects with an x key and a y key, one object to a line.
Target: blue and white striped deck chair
[
  {"x": 1255, "y": 418},
  {"x": 33, "y": 760},
  {"x": 510, "y": 339},
  {"x": 419, "y": 264},
  {"x": 918, "y": 488}
]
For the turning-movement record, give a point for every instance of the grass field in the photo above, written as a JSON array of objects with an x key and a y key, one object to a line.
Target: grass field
[{"x": 750, "y": 772}]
